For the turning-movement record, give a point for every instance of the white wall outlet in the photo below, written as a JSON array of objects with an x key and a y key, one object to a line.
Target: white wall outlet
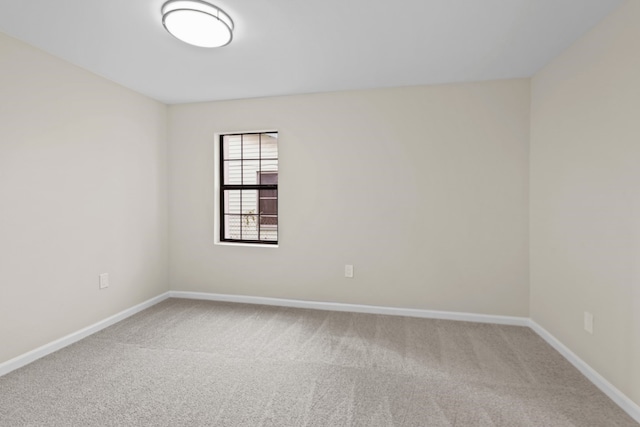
[
  {"x": 588, "y": 322},
  {"x": 348, "y": 271},
  {"x": 103, "y": 280}
]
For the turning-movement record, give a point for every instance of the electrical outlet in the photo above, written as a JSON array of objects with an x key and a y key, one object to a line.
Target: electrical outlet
[
  {"x": 103, "y": 280},
  {"x": 588, "y": 322},
  {"x": 348, "y": 271}
]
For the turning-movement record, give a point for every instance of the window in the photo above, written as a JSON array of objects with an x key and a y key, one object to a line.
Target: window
[{"x": 249, "y": 188}]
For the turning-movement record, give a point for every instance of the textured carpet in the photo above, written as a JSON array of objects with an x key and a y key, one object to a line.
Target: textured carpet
[{"x": 192, "y": 363}]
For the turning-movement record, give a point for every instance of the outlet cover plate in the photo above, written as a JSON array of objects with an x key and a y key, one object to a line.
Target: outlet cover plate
[
  {"x": 103, "y": 280},
  {"x": 588, "y": 322},
  {"x": 348, "y": 271}
]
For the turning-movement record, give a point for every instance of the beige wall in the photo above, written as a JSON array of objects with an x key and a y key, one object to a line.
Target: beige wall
[
  {"x": 423, "y": 189},
  {"x": 585, "y": 197},
  {"x": 82, "y": 191}
]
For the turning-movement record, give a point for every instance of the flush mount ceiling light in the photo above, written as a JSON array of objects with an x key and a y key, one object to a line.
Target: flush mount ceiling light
[{"x": 197, "y": 22}]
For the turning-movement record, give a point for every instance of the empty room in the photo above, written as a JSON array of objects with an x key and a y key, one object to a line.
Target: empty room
[{"x": 348, "y": 213}]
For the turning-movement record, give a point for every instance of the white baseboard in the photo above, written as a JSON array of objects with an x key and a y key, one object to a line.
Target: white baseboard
[
  {"x": 629, "y": 406},
  {"x": 26, "y": 358},
  {"x": 355, "y": 308}
]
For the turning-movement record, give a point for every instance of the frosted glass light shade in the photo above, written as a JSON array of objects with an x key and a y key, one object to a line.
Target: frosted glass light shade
[{"x": 197, "y": 23}]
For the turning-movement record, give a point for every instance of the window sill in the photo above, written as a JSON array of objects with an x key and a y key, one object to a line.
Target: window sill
[{"x": 244, "y": 245}]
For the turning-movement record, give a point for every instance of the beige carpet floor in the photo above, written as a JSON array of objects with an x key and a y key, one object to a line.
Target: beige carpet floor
[{"x": 197, "y": 363}]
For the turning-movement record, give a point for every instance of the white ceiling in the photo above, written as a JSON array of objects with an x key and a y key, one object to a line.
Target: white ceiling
[{"x": 299, "y": 46}]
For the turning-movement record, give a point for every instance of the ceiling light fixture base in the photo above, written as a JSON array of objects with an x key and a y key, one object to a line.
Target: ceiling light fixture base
[{"x": 197, "y": 23}]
